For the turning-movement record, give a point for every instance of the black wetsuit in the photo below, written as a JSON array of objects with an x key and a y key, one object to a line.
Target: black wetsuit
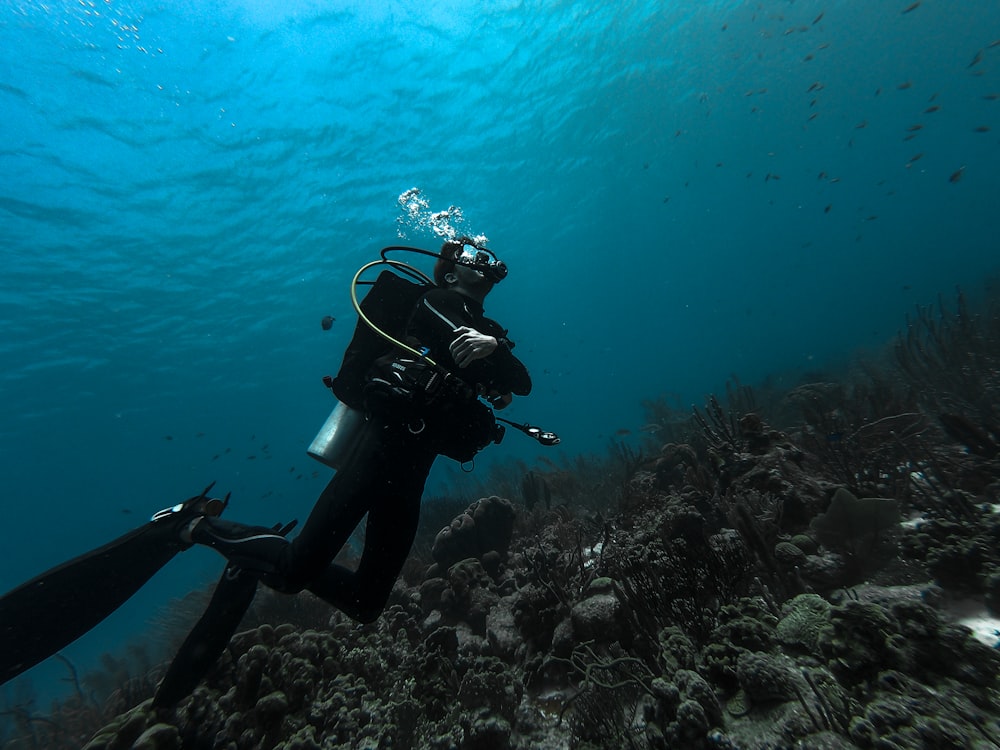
[{"x": 383, "y": 476}]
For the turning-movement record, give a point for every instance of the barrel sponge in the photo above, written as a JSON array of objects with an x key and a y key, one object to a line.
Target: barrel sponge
[{"x": 485, "y": 527}]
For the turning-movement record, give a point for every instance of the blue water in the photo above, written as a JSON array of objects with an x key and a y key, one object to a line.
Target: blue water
[{"x": 682, "y": 190}]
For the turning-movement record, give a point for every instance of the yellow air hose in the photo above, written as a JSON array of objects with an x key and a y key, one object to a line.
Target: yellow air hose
[{"x": 361, "y": 315}]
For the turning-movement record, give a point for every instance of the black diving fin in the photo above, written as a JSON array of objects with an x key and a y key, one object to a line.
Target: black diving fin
[
  {"x": 233, "y": 595},
  {"x": 52, "y": 610}
]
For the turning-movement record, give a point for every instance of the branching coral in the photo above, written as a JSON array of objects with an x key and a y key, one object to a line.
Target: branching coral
[{"x": 953, "y": 361}]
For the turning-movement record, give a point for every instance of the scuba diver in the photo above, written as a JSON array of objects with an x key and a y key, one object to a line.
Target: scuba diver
[{"x": 412, "y": 384}]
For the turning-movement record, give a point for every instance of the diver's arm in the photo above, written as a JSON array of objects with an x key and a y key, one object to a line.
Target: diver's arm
[
  {"x": 471, "y": 345},
  {"x": 443, "y": 323}
]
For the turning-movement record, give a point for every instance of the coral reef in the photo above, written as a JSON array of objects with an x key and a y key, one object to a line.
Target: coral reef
[{"x": 742, "y": 585}]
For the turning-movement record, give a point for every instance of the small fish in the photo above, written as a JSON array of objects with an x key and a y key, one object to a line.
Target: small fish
[
  {"x": 623, "y": 431},
  {"x": 821, "y": 176},
  {"x": 651, "y": 427},
  {"x": 914, "y": 128},
  {"x": 957, "y": 174},
  {"x": 818, "y": 18},
  {"x": 834, "y": 179},
  {"x": 827, "y": 209},
  {"x": 991, "y": 97},
  {"x": 871, "y": 218},
  {"x": 861, "y": 124},
  {"x": 327, "y": 322},
  {"x": 978, "y": 58},
  {"x": 667, "y": 199},
  {"x": 917, "y": 157},
  {"x": 932, "y": 108},
  {"x": 904, "y": 85},
  {"x": 807, "y": 58},
  {"x": 981, "y": 129},
  {"x": 878, "y": 91},
  {"x": 812, "y": 117},
  {"x": 911, "y": 7},
  {"x": 816, "y": 86},
  {"x": 168, "y": 437}
]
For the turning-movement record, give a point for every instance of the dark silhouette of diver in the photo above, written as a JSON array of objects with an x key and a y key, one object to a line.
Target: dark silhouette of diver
[{"x": 420, "y": 398}]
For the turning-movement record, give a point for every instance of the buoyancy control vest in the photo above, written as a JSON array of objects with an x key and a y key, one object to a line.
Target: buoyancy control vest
[{"x": 388, "y": 305}]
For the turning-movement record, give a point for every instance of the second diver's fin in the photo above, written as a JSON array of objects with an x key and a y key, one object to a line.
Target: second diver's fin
[
  {"x": 52, "y": 610},
  {"x": 233, "y": 595}
]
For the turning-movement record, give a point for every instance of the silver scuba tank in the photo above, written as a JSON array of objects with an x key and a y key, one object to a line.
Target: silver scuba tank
[{"x": 335, "y": 438}]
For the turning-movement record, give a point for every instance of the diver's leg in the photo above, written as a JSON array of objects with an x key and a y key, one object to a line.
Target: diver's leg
[
  {"x": 288, "y": 566},
  {"x": 340, "y": 507},
  {"x": 392, "y": 525}
]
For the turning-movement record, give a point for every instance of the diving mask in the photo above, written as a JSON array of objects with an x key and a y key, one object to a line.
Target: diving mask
[{"x": 484, "y": 261}]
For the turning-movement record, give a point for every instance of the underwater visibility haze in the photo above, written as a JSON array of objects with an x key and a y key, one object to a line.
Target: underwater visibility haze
[{"x": 683, "y": 191}]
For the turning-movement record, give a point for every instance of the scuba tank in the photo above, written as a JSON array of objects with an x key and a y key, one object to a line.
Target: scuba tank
[
  {"x": 385, "y": 308},
  {"x": 337, "y": 435}
]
